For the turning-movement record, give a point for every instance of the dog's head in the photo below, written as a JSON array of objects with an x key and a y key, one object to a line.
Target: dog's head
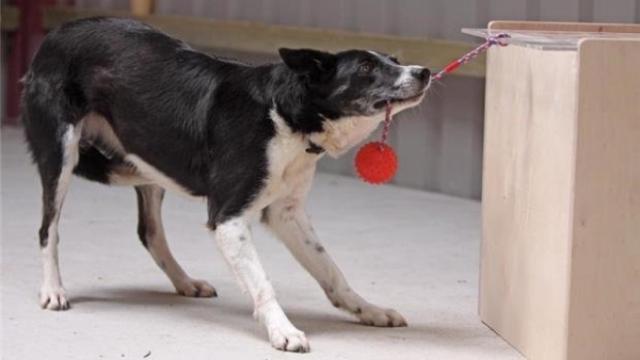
[{"x": 351, "y": 90}]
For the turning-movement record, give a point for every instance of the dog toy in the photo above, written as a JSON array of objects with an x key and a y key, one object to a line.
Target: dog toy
[{"x": 376, "y": 162}]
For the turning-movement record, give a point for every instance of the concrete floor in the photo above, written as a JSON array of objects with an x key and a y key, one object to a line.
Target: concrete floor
[{"x": 414, "y": 251}]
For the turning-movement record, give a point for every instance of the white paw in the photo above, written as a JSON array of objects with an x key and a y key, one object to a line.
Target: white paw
[
  {"x": 289, "y": 339},
  {"x": 374, "y": 316},
  {"x": 53, "y": 298},
  {"x": 282, "y": 334},
  {"x": 196, "y": 288}
]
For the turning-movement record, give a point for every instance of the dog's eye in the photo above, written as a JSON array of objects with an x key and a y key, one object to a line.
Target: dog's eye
[
  {"x": 365, "y": 67},
  {"x": 394, "y": 60}
]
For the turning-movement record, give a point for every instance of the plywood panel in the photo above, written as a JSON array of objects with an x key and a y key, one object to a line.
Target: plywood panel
[
  {"x": 528, "y": 182},
  {"x": 604, "y": 312},
  {"x": 565, "y": 26}
]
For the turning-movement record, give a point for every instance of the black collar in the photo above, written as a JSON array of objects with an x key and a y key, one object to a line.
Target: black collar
[{"x": 314, "y": 148}]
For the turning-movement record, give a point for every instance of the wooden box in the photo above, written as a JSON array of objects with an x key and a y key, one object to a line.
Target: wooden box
[{"x": 560, "y": 261}]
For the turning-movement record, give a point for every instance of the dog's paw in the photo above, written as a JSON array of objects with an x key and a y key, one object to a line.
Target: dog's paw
[
  {"x": 53, "y": 298},
  {"x": 374, "y": 316},
  {"x": 196, "y": 288},
  {"x": 368, "y": 313},
  {"x": 282, "y": 334},
  {"x": 289, "y": 339}
]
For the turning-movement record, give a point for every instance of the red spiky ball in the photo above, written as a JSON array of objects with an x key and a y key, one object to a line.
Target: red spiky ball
[{"x": 376, "y": 162}]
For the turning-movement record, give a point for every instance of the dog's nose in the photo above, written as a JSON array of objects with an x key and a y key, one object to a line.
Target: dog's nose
[{"x": 425, "y": 74}]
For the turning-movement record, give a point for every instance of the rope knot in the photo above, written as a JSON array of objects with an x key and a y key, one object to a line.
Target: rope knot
[{"x": 501, "y": 39}]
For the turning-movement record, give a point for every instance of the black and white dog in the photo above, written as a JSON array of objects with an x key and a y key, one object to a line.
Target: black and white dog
[{"x": 117, "y": 102}]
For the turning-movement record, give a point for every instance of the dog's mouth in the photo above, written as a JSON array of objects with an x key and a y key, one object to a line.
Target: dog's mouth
[{"x": 382, "y": 103}]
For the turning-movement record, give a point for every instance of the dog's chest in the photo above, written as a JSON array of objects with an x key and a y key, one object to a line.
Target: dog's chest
[{"x": 290, "y": 168}]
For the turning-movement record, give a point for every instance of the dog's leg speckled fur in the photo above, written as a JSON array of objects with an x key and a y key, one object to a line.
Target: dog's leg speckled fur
[
  {"x": 234, "y": 241},
  {"x": 152, "y": 235},
  {"x": 291, "y": 224}
]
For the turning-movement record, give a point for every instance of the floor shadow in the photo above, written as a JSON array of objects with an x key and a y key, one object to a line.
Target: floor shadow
[
  {"x": 132, "y": 296},
  {"x": 236, "y": 316}
]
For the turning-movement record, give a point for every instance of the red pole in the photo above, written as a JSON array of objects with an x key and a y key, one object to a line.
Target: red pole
[{"x": 26, "y": 41}]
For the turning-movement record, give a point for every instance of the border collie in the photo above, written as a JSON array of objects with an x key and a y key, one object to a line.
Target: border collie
[{"x": 118, "y": 102}]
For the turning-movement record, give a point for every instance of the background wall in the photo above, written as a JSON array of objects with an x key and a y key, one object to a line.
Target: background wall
[
  {"x": 434, "y": 18},
  {"x": 439, "y": 143}
]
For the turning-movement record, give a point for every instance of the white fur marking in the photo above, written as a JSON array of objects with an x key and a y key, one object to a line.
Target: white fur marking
[
  {"x": 405, "y": 76},
  {"x": 340, "y": 135},
  {"x": 234, "y": 241},
  {"x": 287, "y": 163},
  {"x": 52, "y": 293}
]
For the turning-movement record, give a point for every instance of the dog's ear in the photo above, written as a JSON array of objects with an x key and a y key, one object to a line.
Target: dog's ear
[{"x": 309, "y": 62}]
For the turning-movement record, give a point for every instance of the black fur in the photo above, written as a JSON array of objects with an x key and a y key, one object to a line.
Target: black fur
[
  {"x": 94, "y": 165},
  {"x": 202, "y": 121},
  {"x": 142, "y": 217}
]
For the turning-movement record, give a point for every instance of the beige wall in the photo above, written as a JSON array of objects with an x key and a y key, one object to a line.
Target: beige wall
[{"x": 439, "y": 144}]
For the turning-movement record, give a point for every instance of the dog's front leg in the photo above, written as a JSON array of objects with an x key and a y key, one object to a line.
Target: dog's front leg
[
  {"x": 234, "y": 241},
  {"x": 291, "y": 224}
]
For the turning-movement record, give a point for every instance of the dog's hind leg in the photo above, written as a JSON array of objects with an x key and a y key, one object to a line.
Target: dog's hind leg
[
  {"x": 152, "y": 236},
  {"x": 55, "y": 167},
  {"x": 288, "y": 220}
]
